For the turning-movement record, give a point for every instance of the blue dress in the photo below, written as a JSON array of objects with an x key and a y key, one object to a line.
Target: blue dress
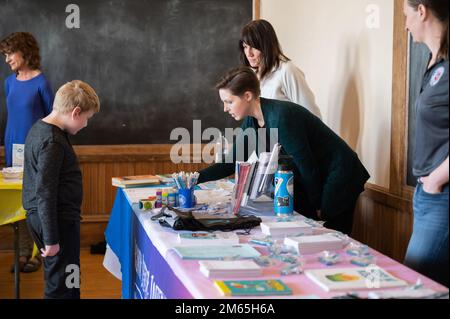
[{"x": 26, "y": 102}]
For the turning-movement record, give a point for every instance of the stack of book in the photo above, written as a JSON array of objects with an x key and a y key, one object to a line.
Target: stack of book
[
  {"x": 315, "y": 243},
  {"x": 230, "y": 269},
  {"x": 135, "y": 181},
  {"x": 206, "y": 238},
  {"x": 286, "y": 229},
  {"x": 371, "y": 277}
]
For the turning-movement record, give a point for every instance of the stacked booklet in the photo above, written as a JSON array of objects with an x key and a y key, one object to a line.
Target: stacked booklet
[
  {"x": 135, "y": 181},
  {"x": 371, "y": 277},
  {"x": 229, "y": 268},
  {"x": 206, "y": 238},
  {"x": 285, "y": 229},
  {"x": 217, "y": 252},
  {"x": 315, "y": 243}
]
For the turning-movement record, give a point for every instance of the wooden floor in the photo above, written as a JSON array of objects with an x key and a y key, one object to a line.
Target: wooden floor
[{"x": 96, "y": 281}]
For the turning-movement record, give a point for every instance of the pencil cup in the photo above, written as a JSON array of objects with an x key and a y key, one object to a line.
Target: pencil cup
[{"x": 186, "y": 197}]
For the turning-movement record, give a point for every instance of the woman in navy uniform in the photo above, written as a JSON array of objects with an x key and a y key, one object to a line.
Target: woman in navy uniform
[
  {"x": 427, "y": 253},
  {"x": 328, "y": 176}
]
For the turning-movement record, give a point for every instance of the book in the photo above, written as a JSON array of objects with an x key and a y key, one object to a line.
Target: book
[
  {"x": 259, "y": 172},
  {"x": 133, "y": 181},
  {"x": 216, "y": 252},
  {"x": 249, "y": 180},
  {"x": 267, "y": 287},
  {"x": 229, "y": 268},
  {"x": 315, "y": 243},
  {"x": 263, "y": 181},
  {"x": 206, "y": 238},
  {"x": 371, "y": 277},
  {"x": 285, "y": 229},
  {"x": 243, "y": 170}
]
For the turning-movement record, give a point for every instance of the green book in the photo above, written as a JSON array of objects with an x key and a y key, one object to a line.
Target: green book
[{"x": 268, "y": 287}]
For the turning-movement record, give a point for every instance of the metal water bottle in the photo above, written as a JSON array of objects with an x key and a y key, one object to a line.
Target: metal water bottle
[
  {"x": 283, "y": 204},
  {"x": 221, "y": 149}
]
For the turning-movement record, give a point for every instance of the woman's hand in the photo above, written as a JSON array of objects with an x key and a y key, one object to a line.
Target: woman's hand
[
  {"x": 429, "y": 186},
  {"x": 50, "y": 250},
  {"x": 438, "y": 178},
  {"x": 319, "y": 213}
]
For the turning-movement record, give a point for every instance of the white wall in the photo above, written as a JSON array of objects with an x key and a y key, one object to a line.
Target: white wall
[{"x": 348, "y": 66}]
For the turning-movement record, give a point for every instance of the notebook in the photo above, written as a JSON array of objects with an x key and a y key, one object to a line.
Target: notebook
[
  {"x": 371, "y": 277},
  {"x": 269, "y": 287},
  {"x": 229, "y": 269},
  {"x": 217, "y": 252}
]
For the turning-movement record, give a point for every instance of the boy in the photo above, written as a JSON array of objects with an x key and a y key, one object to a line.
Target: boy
[{"x": 52, "y": 187}]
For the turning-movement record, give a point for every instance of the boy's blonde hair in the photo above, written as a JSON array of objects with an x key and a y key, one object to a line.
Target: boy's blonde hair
[{"x": 76, "y": 93}]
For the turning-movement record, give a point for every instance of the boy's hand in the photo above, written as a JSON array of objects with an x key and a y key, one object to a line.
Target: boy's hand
[{"x": 50, "y": 251}]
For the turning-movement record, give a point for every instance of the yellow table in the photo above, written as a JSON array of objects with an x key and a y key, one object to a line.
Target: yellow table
[{"x": 11, "y": 211}]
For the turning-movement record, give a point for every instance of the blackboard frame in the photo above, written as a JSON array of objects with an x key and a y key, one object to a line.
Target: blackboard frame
[{"x": 254, "y": 13}]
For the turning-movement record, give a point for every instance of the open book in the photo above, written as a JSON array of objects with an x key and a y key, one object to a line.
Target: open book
[
  {"x": 254, "y": 178},
  {"x": 263, "y": 179}
]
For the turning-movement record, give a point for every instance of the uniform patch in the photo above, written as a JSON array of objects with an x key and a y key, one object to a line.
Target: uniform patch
[{"x": 437, "y": 75}]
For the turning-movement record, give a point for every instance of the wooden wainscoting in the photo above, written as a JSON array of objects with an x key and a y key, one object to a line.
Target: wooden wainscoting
[
  {"x": 98, "y": 165},
  {"x": 384, "y": 221}
]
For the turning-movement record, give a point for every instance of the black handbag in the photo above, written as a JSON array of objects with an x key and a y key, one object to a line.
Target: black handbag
[{"x": 180, "y": 220}]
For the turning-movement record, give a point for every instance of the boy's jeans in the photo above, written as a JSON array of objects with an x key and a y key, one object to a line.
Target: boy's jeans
[
  {"x": 59, "y": 271},
  {"x": 428, "y": 247}
]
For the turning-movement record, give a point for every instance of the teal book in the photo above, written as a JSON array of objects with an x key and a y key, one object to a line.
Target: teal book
[
  {"x": 268, "y": 287},
  {"x": 217, "y": 252}
]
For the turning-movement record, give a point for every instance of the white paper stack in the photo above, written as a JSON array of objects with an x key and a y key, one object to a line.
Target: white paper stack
[
  {"x": 285, "y": 229},
  {"x": 314, "y": 244},
  {"x": 230, "y": 269},
  {"x": 210, "y": 239}
]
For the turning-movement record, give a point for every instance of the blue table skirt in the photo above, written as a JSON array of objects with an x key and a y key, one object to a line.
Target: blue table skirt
[{"x": 151, "y": 277}]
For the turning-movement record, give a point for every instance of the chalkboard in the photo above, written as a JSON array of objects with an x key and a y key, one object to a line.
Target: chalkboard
[
  {"x": 418, "y": 60},
  {"x": 153, "y": 63}
]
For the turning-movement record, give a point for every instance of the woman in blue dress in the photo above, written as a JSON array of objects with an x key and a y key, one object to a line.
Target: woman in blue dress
[{"x": 29, "y": 98}]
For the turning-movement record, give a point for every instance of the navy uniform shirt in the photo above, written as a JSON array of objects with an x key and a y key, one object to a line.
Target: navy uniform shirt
[{"x": 431, "y": 141}]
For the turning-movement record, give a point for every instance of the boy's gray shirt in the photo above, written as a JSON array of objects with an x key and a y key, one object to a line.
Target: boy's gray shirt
[{"x": 52, "y": 182}]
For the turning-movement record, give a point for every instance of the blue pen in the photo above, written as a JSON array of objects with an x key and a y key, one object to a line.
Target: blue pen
[{"x": 182, "y": 183}]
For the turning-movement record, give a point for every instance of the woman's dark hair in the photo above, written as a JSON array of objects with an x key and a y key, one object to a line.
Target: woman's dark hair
[
  {"x": 24, "y": 43},
  {"x": 260, "y": 34},
  {"x": 439, "y": 8},
  {"x": 240, "y": 80}
]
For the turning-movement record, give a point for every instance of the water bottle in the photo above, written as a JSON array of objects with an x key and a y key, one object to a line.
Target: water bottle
[
  {"x": 283, "y": 203},
  {"x": 221, "y": 149}
]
